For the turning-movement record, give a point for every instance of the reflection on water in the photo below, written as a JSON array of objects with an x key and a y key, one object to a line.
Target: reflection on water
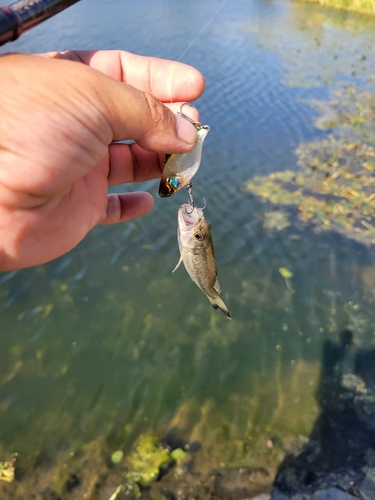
[{"x": 104, "y": 344}]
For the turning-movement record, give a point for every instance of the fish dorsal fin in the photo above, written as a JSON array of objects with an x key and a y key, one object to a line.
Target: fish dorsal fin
[
  {"x": 178, "y": 263},
  {"x": 217, "y": 286}
]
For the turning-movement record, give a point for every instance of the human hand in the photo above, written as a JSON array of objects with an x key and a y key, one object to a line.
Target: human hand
[{"x": 59, "y": 115}]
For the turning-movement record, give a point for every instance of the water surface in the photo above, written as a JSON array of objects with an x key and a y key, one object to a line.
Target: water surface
[{"x": 105, "y": 344}]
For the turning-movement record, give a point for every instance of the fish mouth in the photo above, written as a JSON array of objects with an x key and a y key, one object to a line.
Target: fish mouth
[{"x": 188, "y": 215}]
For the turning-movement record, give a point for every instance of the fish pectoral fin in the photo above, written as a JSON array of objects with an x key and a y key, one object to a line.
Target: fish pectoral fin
[
  {"x": 217, "y": 286},
  {"x": 178, "y": 263}
]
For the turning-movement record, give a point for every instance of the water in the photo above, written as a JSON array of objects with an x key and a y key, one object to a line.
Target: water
[{"x": 105, "y": 344}]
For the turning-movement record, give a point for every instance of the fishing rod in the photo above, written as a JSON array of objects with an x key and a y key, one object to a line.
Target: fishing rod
[{"x": 22, "y": 15}]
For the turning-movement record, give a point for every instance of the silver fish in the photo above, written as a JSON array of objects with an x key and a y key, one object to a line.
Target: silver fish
[
  {"x": 179, "y": 169},
  {"x": 197, "y": 254}
]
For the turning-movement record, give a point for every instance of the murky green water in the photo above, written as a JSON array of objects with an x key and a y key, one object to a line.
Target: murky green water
[{"x": 105, "y": 344}]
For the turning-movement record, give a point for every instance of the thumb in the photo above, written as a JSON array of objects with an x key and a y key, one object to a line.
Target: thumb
[
  {"x": 137, "y": 115},
  {"x": 128, "y": 112}
]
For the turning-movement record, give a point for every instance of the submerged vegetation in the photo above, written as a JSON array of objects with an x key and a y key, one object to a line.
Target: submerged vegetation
[
  {"x": 367, "y": 6},
  {"x": 335, "y": 188},
  {"x": 146, "y": 460},
  {"x": 7, "y": 470},
  {"x": 118, "y": 381}
]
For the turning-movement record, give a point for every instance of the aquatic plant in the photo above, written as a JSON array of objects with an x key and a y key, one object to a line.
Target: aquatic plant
[
  {"x": 367, "y": 6},
  {"x": 335, "y": 188},
  {"x": 145, "y": 462},
  {"x": 7, "y": 470}
]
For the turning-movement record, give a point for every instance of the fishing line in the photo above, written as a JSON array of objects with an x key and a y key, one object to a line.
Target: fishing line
[
  {"x": 195, "y": 39},
  {"x": 199, "y": 34}
]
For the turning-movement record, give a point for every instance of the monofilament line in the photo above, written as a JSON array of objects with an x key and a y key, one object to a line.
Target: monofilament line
[{"x": 199, "y": 34}]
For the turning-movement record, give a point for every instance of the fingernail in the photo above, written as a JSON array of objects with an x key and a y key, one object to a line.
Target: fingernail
[{"x": 186, "y": 130}]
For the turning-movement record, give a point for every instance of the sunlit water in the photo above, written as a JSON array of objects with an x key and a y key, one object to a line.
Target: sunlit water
[{"x": 106, "y": 342}]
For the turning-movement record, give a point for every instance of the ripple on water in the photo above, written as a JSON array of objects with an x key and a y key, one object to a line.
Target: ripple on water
[{"x": 111, "y": 315}]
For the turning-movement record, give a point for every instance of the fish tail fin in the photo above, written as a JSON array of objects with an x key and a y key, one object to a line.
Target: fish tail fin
[{"x": 218, "y": 303}]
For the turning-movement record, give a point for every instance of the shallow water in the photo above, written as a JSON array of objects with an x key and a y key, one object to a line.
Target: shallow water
[{"x": 106, "y": 343}]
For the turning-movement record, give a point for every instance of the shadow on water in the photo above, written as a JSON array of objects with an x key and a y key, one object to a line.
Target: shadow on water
[{"x": 341, "y": 448}]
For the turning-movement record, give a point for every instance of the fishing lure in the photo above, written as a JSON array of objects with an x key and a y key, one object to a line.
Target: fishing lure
[{"x": 179, "y": 169}]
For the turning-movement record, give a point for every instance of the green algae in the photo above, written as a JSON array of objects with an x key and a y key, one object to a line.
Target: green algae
[
  {"x": 365, "y": 6},
  {"x": 285, "y": 273},
  {"x": 145, "y": 461},
  {"x": 117, "y": 456},
  {"x": 151, "y": 362},
  {"x": 7, "y": 469},
  {"x": 309, "y": 39},
  {"x": 179, "y": 455},
  {"x": 335, "y": 187}
]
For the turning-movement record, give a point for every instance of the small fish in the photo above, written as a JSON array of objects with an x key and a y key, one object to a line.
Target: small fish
[
  {"x": 197, "y": 253},
  {"x": 179, "y": 169}
]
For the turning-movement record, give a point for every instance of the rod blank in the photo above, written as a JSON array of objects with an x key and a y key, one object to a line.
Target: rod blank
[{"x": 22, "y": 15}]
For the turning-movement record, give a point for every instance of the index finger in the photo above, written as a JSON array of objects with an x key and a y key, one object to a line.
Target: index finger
[{"x": 168, "y": 81}]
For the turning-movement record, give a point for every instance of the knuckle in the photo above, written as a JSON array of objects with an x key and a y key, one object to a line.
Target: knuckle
[{"x": 159, "y": 114}]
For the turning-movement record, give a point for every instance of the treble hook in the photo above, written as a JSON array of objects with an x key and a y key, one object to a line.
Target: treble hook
[
  {"x": 189, "y": 188},
  {"x": 204, "y": 204},
  {"x": 181, "y": 113}
]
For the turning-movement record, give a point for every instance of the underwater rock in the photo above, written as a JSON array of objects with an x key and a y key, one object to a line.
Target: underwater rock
[
  {"x": 332, "y": 494},
  {"x": 367, "y": 488},
  {"x": 278, "y": 495}
]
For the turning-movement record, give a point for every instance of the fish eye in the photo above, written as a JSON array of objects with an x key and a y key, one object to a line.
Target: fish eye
[{"x": 198, "y": 236}]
